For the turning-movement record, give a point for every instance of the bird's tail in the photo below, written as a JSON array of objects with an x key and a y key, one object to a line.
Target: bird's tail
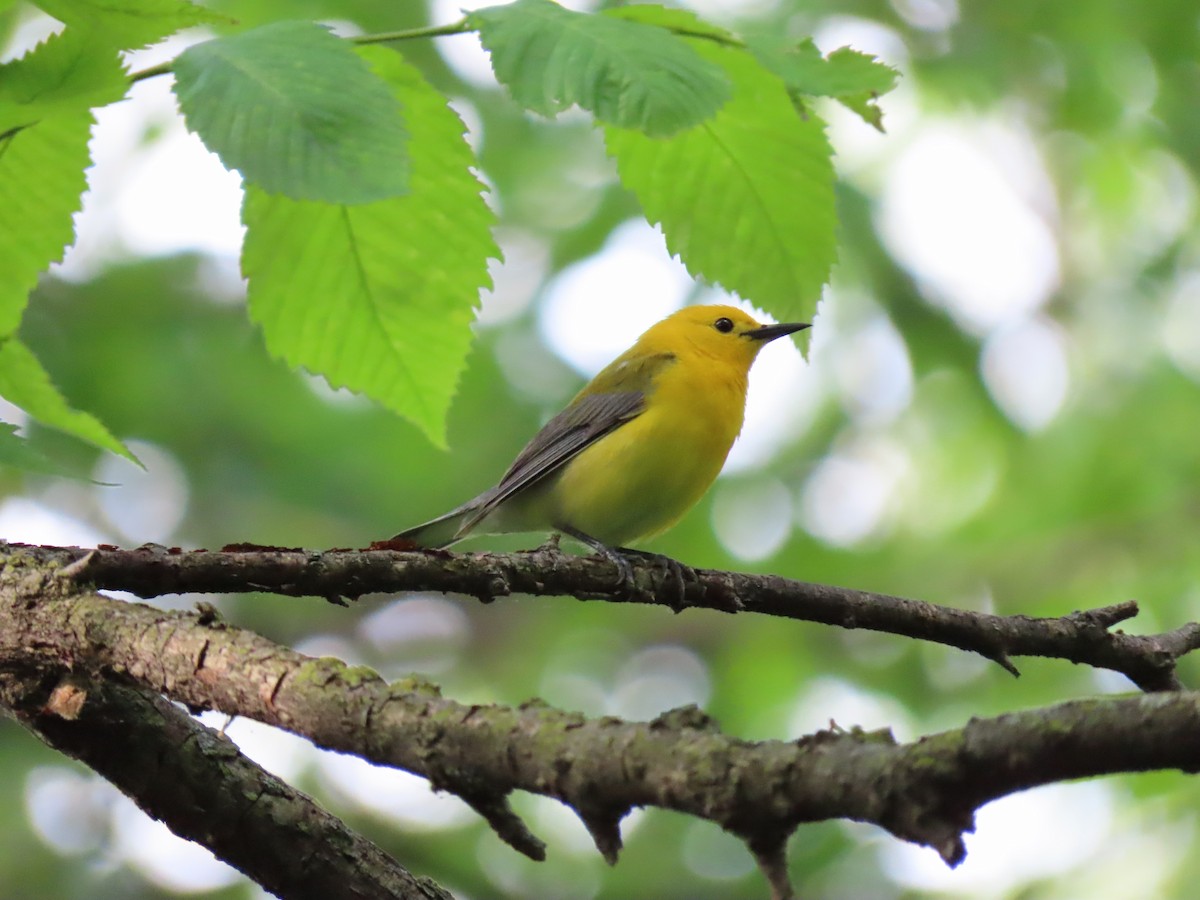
[
  {"x": 439, "y": 532},
  {"x": 453, "y": 526}
]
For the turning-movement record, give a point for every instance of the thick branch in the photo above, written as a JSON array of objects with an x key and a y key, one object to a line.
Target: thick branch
[
  {"x": 1081, "y": 637},
  {"x": 204, "y": 789},
  {"x": 924, "y": 792}
]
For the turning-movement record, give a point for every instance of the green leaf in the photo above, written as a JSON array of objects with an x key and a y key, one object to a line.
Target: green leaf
[
  {"x": 855, "y": 79},
  {"x": 297, "y": 112},
  {"x": 24, "y": 383},
  {"x": 130, "y": 24},
  {"x": 626, "y": 73},
  {"x": 17, "y": 453},
  {"x": 805, "y": 71},
  {"x": 746, "y": 200},
  {"x": 41, "y": 182},
  {"x": 68, "y": 72},
  {"x": 379, "y": 297},
  {"x": 863, "y": 106},
  {"x": 44, "y": 130}
]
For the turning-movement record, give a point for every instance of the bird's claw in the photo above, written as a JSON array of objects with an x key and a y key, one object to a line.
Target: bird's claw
[
  {"x": 676, "y": 573},
  {"x": 627, "y": 586}
]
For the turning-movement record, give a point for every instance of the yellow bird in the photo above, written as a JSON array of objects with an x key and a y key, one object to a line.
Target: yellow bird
[{"x": 635, "y": 449}]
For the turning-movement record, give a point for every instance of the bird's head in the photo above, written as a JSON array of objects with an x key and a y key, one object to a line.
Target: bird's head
[{"x": 724, "y": 333}]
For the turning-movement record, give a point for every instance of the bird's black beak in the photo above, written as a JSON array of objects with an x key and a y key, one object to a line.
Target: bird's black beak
[{"x": 770, "y": 332}]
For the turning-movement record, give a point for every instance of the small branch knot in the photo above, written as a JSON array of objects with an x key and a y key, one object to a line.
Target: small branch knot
[
  {"x": 685, "y": 718},
  {"x": 66, "y": 700}
]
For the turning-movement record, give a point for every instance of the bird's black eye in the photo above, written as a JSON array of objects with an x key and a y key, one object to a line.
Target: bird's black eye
[{"x": 723, "y": 325}]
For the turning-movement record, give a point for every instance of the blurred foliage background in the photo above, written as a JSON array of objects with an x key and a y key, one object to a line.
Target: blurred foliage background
[{"x": 1000, "y": 411}]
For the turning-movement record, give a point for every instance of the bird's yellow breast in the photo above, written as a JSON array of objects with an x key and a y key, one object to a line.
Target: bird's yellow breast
[{"x": 642, "y": 477}]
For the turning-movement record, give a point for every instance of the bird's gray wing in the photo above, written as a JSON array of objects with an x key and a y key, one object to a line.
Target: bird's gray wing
[{"x": 582, "y": 423}]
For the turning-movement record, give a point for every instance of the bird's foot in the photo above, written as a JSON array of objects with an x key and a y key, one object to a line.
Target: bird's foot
[
  {"x": 626, "y": 584},
  {"x": 677, "y": 574},
  {"x": 627, "y": 587}
]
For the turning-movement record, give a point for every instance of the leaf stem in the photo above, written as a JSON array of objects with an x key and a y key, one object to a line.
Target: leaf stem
[
  {"x": 726, "y": 40},
  {"x": 459, "y": 27},
  {"x": 162, "y": 68}
]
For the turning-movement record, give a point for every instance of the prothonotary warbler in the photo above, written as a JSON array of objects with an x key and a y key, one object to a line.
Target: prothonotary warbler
[{"x": 635, "y": 449}]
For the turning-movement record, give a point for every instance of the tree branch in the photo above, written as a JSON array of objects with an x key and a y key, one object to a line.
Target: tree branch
[
  {"x": 925, "y": 792},
  {"x": 1081, "y": 637},
  {"x": 199, "y": 783}
]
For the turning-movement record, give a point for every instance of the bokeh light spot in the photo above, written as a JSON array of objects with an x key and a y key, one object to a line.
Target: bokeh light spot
[
  {"x": 715, "y": 854},
  {"x": 848, "y": 496},
  {"x": 167, "y": 861},
  {"x": 1181, "y": 325},
  {"x": 873, "y": 372},
  {"x": 753, "y": 519},
  {"x": 1009, "y": 845},
  {"x": 31, "y": 522},
  {"x": 595, "y": 309},
  {"x": 68, "y": 811},
  {"x": 1025, "y": 370},
  {"x": 144, "y": 505},
  {"x": 280, "y": 752},
  {"x": 828, "y": 700},
  {"x": 515, "y": 281},
  {"x": 422, "y": 633},
  {"x": 969, "y": 228},
  {"x": 657, "y": 679},
  {"x": 397, "y": 796}
]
